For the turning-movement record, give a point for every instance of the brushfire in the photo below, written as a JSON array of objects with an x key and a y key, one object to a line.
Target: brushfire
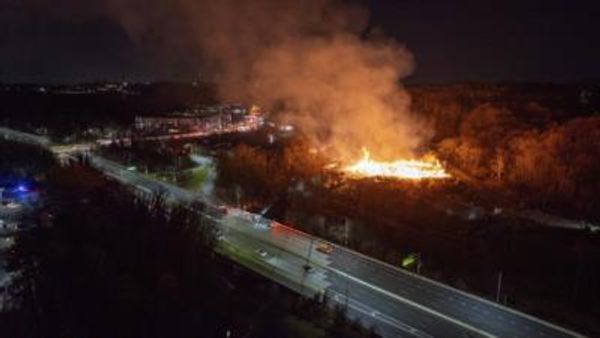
[{"x": 427, "y": 167}]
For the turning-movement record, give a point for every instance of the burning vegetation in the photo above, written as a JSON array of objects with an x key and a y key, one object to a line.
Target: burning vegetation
[{"x": 427, "y": 167}]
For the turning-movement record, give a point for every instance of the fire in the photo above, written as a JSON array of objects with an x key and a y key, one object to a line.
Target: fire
[{"x": 427, "y": 167}]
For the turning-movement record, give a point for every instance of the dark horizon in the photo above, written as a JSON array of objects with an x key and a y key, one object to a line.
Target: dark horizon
[{"x": 546, "y": 42}]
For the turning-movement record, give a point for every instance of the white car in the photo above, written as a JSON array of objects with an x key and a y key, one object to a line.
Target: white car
[
  {"x": 261, "y": 222},
  {"x": 261, "y": 253}
]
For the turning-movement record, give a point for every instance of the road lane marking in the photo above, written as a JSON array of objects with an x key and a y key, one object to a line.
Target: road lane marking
[
  {"x": 404, "y": 328},
  {"x": 366, "y": 310},
  {"x": 409, "y": 302},
  {"x": 460, "y": 292}
]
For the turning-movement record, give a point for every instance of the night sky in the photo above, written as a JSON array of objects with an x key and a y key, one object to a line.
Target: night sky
[{"x": 452, "y": 41}]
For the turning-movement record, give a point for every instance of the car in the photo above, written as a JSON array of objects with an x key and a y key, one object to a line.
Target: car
[
  {"x": 218, "y": 211},
  {"x": 325, "y": 248},
  {"x": 261, "y": 252},
  {"x": 261, "y": 222},
  {"x": 223, "y": 210}
]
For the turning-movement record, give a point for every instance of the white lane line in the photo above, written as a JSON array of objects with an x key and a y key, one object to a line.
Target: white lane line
[
  {"x": 409, "y": 330},
  {"x": 399, "y": 271},
  {"x": 409, "y": 302},
  {"x": 379, "y": 316}
]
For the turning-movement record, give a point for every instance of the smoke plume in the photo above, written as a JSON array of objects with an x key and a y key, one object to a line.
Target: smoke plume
[{"x": 309, "y": 59}]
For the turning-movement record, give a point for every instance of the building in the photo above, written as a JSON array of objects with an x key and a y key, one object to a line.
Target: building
[{"x": 201, "y": 119}]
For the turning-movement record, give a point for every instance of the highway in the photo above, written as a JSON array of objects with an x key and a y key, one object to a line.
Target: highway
[{"x": 396, "y": 302}]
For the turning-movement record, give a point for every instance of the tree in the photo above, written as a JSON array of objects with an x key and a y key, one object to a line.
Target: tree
[
  {"x": 486, "y": 123},
  {"x": 116, "y": 265}
]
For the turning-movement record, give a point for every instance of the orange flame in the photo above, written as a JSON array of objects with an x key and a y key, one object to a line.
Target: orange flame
[{"x": 425, "y": 168}]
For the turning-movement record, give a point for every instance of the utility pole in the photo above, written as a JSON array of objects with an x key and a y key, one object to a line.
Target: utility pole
[
  {"x": 306, "y": 265},
  {"x": 499, "y": 288},
  {"x": 309, "y": 251},
  {"x": 346, "y": 230}
]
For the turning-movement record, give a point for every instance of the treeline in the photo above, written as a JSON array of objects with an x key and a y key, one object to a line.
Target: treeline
[
  {"x": 540, "y": 141},
  {"x": 445, "y": 106},
  {"x": 554, "y": 166},
  {"x": 108, "y": 264},
  {"x": 266, "y": 175},
  {"x": 150, "y": 156},
  {"x": 22, "y": 161},
  {"x": 64, "y": 114}
]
